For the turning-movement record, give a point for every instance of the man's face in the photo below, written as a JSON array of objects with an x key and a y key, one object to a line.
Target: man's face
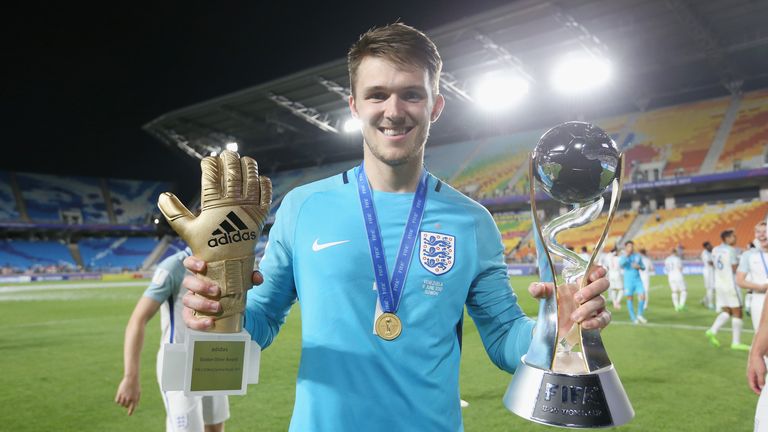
[
  {"x": 761, "y": 237},
  {"x": 730, "y": 240},
  {"x": 629, "y": 248},
  {"x": 395, "y": 107}
]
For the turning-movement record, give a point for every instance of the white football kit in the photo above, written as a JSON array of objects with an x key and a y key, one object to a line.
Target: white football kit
[
  {"x": 728, "y": 294},
  {"x": 183, "y": 413}
]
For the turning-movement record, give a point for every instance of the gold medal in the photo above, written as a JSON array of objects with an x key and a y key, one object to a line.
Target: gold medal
[{"x": 388, "y": 326}]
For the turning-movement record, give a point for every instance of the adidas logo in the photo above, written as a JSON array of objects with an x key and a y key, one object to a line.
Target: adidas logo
[{"x": 232, "y": 230}]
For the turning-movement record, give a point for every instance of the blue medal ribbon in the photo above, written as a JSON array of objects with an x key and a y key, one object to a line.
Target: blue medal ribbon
[{"x": 389, "y": 294}]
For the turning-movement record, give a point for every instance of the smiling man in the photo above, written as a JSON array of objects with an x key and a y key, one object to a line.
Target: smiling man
[{"x": 384, "y": 258}]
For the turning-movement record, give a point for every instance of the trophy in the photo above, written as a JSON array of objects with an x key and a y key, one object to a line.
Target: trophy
[
  {"x": 234, "y": 207},
  {"x": 555, "y": 383}
]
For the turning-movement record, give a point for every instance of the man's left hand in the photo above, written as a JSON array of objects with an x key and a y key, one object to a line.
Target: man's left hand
[{"x": 585, "y": 306}]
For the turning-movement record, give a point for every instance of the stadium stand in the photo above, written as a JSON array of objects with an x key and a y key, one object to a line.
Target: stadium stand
[
  {"x": 20, "y": 256},
  {"x": 133, "y": 201},
  {"x": 657, "y": 136},
  {"x": 115, "y": 254},
  {"x": 445, "y": 161},
  {"x": 174, "y": 245},
  {"x": 589, "y": 234},
  {"x": 497, "y": 167},
  {"x": 514, "y": 227},
  {"x": 8, "y": 209},
  {"x": 54, "y": 199},
  {"x": 747, "y": 144},
  {"x": 689, "y": 227}
]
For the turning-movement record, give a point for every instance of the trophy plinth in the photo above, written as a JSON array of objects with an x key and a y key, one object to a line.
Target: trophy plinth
[
  {"x": 574, "y": 399},
  {"x": 574, "y": 163}
]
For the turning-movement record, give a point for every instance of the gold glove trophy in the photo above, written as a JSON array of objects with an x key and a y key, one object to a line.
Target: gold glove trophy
[
  {"x": 555, "y": 384},
  {"x": 234, "y": 206}
]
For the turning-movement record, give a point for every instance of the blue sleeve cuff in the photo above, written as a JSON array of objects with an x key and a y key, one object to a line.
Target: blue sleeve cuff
[{"x": 517, "y": 343}]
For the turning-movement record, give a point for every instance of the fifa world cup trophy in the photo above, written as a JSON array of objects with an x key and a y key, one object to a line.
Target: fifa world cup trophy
[
  {"x": 234, "y": 207},
  {"x": 566, "y": 378}
]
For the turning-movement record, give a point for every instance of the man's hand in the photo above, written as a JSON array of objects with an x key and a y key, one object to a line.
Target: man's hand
[
  {"x": 128, "y": 394},
  {"x": 203, "y": 294},
  {"x": 756, "y": 372},
  {"x": 585, "y": 306}
]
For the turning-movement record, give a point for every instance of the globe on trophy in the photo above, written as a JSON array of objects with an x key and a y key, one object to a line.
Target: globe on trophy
[{"x": 566, "y": 378}]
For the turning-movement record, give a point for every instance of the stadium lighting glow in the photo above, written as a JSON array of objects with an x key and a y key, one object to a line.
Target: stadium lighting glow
[
  {"x": 157, "y": 221},
  {"x": 577, "y": 73},
  {"x": 232, "y": 146},
  {"x": 352, "y": 125},
  {"x": 500, "y": 91},
  {"x": 214, "y": 153}
]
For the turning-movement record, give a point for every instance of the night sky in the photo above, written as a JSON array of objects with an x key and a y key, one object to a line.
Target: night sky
[{"x": 80, "y": 81}]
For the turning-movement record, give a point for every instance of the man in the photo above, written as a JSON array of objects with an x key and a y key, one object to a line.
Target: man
[
  {"x": 631, "y": 263},
  {"x": 728, "y": 294},
  {"x": 584, "y": 254},
  {"x": 610, "y": 261},
  {"x": 673, "y": 266},
  {"x": 752, "y": 273},
  {"x": 378, "y": 356},
  {"x": 709, "y": 274},
  {"x": 645, "y": 276},
  {"x": 183, "y": 413}
]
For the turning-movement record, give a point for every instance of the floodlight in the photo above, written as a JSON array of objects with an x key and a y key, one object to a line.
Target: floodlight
[
  {"x": 156, "y": 221},
  {"x": 214, "y": 153},
  {"x": 352, "y": 125},
  {"x": 499, "y": 91},
  {"x": 578, "y": 73},
  {"x": 232, "y": 146}
]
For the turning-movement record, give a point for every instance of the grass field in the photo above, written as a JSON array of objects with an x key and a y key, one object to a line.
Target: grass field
[{"x": 61, "y": 362}]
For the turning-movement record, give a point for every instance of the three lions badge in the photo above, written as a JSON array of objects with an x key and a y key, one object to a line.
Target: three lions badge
[{"x": 437, "y": 252}]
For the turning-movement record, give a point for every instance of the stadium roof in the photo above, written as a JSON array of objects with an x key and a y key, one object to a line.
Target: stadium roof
[{"x": 663, "y": 52}]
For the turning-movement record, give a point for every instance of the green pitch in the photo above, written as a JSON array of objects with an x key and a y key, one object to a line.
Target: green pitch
[{"x": 61, "y": 362}]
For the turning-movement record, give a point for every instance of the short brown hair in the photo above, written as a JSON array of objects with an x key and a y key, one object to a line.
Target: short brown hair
[{"x": 401, "y": 44}]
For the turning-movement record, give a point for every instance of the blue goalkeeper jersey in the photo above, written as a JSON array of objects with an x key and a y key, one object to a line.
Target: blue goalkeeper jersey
[
  {"x": 631, "y": 275},
  {"x": 349, "y": 378}
]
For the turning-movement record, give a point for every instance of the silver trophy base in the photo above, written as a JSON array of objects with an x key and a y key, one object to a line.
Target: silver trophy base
[{"x": 570, "y": 399}]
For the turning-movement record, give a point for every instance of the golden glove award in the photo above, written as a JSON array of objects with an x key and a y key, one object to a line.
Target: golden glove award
[
  {"x": 234, "y": 207},
  {"x": 556, "y": 384}
]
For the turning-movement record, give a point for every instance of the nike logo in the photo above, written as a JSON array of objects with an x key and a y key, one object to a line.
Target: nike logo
[{"x": 318, "y": 247}]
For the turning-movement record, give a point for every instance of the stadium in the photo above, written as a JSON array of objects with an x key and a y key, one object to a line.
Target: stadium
[{"x": 681, "y": 87}]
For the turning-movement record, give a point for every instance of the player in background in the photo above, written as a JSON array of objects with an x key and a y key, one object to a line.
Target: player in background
[
  {"x": 610, "y": 261},
  {"x": 584, "y": 254},
  {"x": 709, "y": 275},
  {"x": 728, "y": 294},
  {"x": 752, "y": 273},
  {"x": 673, "y": 267},
  {"x": 631, "y": 263},
  {"x": 645, "y": 275},
  {"x": 183, "y": 413}
]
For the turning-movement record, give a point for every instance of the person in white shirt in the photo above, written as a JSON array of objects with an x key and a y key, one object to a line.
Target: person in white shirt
[
  {"x": 183, "y": 413},
  {"x": 584, "y": 254},
  {"x": 673, "y": 267},
  {"x": 610, "y": 261},
  {"x": 753, "y": 274},
  {"x": 728, "y": 294},
  {"x": 645, "y": 275},
  {"x": 709, "y": 275}
]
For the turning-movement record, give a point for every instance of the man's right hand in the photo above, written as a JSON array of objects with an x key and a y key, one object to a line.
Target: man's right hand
[{"x": 207, "y": 294}]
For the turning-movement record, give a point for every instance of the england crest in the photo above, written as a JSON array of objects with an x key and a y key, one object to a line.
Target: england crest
[{"x": 437, "y": 252}]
